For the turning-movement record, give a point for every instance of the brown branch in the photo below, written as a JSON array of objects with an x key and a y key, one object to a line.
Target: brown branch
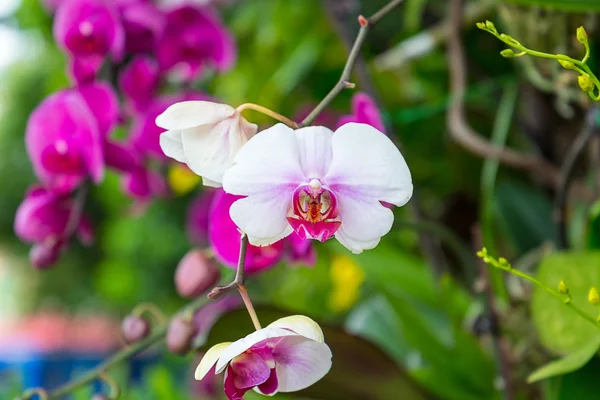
[
  {"x": 463, "y": 134},
  {"x": 240, "y": 278},
  {"x": 344, "y": 81},
  {"x": 429, "y": 245}
]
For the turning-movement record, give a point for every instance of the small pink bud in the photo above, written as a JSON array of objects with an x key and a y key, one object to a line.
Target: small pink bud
[
  {"x": 134, "y": 328},
  {"x": 363, "y": 21},
  {"x": 45, "y": 255},
  {"x": 179, "y": 335},
  {"x": 99, "y": 397},
  {"x": 195, "y": 274}
]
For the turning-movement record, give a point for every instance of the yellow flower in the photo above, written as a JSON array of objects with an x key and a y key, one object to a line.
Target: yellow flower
[
  {"x": 182, "y": 180},
  {"x": 347, "y": 278}
]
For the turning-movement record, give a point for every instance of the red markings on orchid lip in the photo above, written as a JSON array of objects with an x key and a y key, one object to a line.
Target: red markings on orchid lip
[{"x": 313, "y": 212}]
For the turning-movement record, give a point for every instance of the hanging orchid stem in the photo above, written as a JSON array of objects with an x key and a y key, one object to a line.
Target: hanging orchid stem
[
  {"x": 157, "y": 335},
  {"x": 566, "y": 299},
  {"x": 344, "y": 82},
  {"x": 269, "y": 112},
  {"x": 152, "y": 310},
  {"x": 114, "y": 390},
  {"x": 248, "y": 303}
]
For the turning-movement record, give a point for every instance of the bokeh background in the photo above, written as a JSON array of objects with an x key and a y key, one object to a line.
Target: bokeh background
[{"x": 406, "y": 320}]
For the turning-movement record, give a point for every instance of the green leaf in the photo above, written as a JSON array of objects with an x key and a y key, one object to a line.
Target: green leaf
[
  {"x": 360, "y": 369},
  {"x": 563, "y": 5},
  {"x": 581, "y": 384},
  {"x": 559, "y": 328},
  {"x": 570, "y": 363}
]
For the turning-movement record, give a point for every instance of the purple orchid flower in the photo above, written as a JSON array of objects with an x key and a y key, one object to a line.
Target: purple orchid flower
[
  {"x": 64, "y": 141},
  {"x": 89, "y": 30},
  {"x": 364, "y": 111},
  {"x": 139, "y": 81},
  {"x": 144, "y": 24},
  {"x": 194, "y": 38},
  {"x": 43, "y": 219}
]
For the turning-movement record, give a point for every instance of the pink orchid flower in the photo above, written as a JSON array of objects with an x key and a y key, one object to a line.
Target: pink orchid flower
[
  {"x": 364, "y": 111},
  {"x": 286, "y": 356},
  {"x": 194, "y": 38},
  {"x": 318, "y": 183}
]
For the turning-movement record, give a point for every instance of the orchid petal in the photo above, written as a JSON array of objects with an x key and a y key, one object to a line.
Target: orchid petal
[
  {"x": 210, "y": 359},
  {"x": 270, "y": 386},
  {"x": 241, "y": 345},
  {"x": 249, "y": 370},
  {"x": 262, "y": 218},
  {"x": 364, "y": 223},
  {"x": 189, "y": 114},
  {"x": 269, "y": 162},
  {"x": 300, "y": 362},
  {"x": 302, "y": 325},
  {"x": 376, "y": 170},
  {"x": 314, "y": 145},
  {"x": 172, "y": 145}
]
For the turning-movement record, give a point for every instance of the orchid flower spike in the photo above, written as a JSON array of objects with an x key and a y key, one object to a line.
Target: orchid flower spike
[
  {"x": 318, "y": 183},
  {"x": 204, "y": 135},
  {"x": 286, "y": 356}
]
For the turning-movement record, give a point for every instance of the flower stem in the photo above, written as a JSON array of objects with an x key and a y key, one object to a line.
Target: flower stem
[
  {"x": 270, "y": 113},
  {"x": 565, "y": 299},
  {"x": 239, "y": 279},
  {"x": 248, "y": 303},
  {"x": 344, "y": 81}
]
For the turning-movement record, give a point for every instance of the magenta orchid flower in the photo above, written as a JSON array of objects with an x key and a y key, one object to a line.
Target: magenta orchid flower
[
  {"x": 194, "y": 38},
  {"x": 318, "y": 183},
  {"x": 204, "y": 135},
  {"x": 64, "y": 142},
  {"x": 144, "y": 24},
  {"x": 286, "y": 356},
  {"x": 138, "y": 82},
  {"x": 43, "y": 219},
  {"x": 225, "y": 241},
  {"x": 364, "y": 111},
  {"x": 89, "y": 30}
]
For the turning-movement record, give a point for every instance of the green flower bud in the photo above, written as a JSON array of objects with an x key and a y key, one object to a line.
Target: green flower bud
[
  {"x": 509, "y": 40},
  {"x": 508, "y": 53},
  {"x": 585, "y": 83},
  {"x": 566, "y": 64},
  {"x": 481, "y": 25},
  {"x": 490, "y": 26},
  {"x": 582, "y": 36},
  {"x": 562, "y": 287},
  {"x": 593, "y": 296}
]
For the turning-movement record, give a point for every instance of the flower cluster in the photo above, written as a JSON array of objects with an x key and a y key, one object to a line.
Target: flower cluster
[{"x": 134, "y": 50}]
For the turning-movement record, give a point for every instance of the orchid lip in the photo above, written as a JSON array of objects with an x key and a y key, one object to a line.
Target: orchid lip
[{"x": 314, "y": 212}]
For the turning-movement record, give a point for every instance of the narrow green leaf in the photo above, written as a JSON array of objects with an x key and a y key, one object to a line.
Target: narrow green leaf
[{"x": 570, "y": 363}]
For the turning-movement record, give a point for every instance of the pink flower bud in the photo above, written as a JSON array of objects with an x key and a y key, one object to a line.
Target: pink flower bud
[
  {"x": 179, "y": 335},
  {"x": 195, "y": 274},
  {"x": 46, "y": 254},
  {"x": 99, "y": 397},
  {"x": 134, "y": 328}
]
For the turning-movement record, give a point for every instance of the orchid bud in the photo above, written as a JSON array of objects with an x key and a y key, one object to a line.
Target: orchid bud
[
  {"x": 179, "y": 335},
  {"x": 195, "y": 274},
  {"x": 566, "y": 64},
  {"x": 582, "y": 36},
  {"x": 99, "y": 397},
  {"x": 490, "y": 26},
  {"x": 45, "y": 255},
  {"x": 593, "y": 297},
  {"x": 585, "y": 83},
  {"x": 134, "y": 328},
  {"x": 508, "y": 53},
  {"x": 563, "y": 288}
]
